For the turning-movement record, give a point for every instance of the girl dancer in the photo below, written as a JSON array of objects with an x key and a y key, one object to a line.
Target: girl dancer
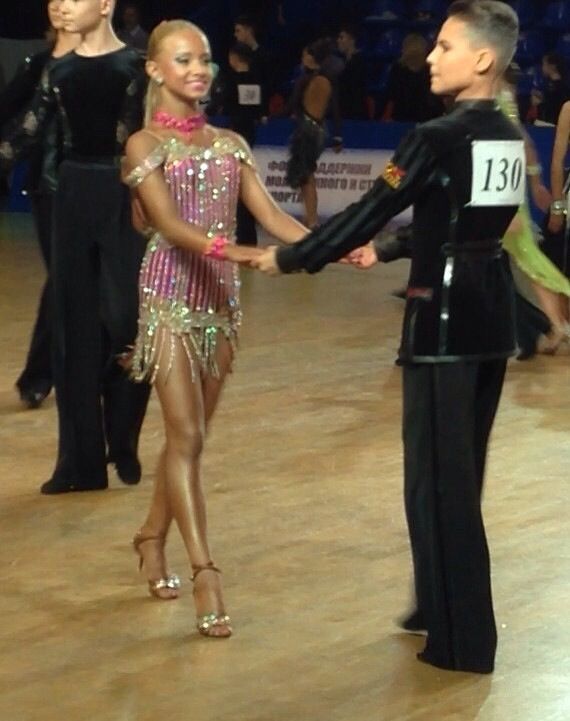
[
  {"x": 557, "y": 236},
  {"x": 188, "y": 176},
  {"x": 547, "y": 281},
  {"x": 310, "y": 101}
]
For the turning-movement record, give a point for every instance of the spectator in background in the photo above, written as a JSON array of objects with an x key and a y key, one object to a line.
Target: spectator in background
[
  {"x": 556, "y": 236},
  {"x": 352, "y": 80},
  {"x": 241, "y": 98},
  {"x": 408, "y": 94},
  {"x": 245, "y": 32},
  {"x": 131, "y": 32},
  {"x": 549, "y": 101},
  {"x": 333, "y": 65}
]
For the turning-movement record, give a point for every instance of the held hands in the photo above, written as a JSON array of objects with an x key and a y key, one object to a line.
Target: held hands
[
  {"x": 243, "y": 254},
  {"x": 266, "y": 262},
  {"x": 362, "y": 258}
]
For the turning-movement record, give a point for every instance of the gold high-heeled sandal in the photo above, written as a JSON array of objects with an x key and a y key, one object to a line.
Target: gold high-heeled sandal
[
  {"x": 208, "y": 621},
  {"x": 171, "y": 582}
]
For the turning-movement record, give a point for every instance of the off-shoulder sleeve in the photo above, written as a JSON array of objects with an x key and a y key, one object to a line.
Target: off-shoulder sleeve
[
  {"x": 152, "y": 161},
  {"x": 245, "y": 156}
]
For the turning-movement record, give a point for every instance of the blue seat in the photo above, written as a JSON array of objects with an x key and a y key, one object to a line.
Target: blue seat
[
  {"x": 389, "y": 44},
  {"x": 378, "y": 79},
  {"x": 19, "y": 201},
  {"x": 387, "y": 12},
  {"x": 530, "y": 79},
  {"x": 557, "y": 16},
  {"x": 526, "y": 11},
  {"x": 530, "y": 47},
  {"x": 563, "y": 46},
  {"x": 429, "y": 11}
]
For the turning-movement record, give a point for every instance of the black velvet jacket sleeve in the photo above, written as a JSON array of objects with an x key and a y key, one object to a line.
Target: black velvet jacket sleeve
[
  {"x": 35, "y": 119},
  {"x": 392, "y": 248},
  {"x": 20, "y": 90},
  {"x": 401, "y": 183}
]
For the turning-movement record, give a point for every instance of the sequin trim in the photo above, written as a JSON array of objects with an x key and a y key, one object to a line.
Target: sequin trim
[
  {"x": 174, "y": 149},
  {"x": 187, "y": 298},
  {"x": 198, "y": 333}
]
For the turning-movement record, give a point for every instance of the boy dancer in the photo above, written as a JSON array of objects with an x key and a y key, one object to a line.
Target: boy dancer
[
  {"x": 464, "y": 174},
  {"x": 35, "y": 380},
  {"x": 96, "y": 92}
]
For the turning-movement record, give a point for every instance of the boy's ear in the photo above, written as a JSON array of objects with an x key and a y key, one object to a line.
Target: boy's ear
[{"x": 485, "y": 61}]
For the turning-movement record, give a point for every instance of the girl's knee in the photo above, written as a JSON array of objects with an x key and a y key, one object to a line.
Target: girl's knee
[{"x": 187, "y": 440}]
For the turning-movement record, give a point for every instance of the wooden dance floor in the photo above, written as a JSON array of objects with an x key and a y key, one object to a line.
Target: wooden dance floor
[{"x": 303, "y": 472}]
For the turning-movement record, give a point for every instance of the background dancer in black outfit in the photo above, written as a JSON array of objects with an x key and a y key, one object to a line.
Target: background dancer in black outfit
[
  {"x": 464, "y": 174},
  {"x": 35, "y": 381},
  {"x": 309, "y": 103},
  {"x": 96, "y": 93}
]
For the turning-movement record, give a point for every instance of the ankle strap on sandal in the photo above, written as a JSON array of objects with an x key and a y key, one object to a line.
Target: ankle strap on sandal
[{"x": 207, "y": 567}]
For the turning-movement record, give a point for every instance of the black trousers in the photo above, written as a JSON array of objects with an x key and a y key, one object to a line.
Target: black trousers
[
  {"x": 449, "y": 410},
  {"x": 37, "y": 374},
  {"x": 95, "y": 264}
]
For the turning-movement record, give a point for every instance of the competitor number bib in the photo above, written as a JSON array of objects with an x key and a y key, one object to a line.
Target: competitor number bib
[{"x": 499, "y": 169}]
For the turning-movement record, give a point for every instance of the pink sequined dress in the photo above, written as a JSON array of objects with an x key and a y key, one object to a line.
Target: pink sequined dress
[{"x": 194, "y": 297}]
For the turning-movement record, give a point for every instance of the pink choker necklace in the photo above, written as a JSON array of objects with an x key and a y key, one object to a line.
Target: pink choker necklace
[{"x": 184, "y": 125}]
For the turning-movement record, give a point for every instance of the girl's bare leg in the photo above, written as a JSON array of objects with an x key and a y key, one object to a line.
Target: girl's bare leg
[
  {"x": 554, "y": 306},
  {"x": 310, "y": 201},
  {"x": 184, "y": 403},
  {"x": 550, "y": 303},
  {"x": 155, "y": 529}
]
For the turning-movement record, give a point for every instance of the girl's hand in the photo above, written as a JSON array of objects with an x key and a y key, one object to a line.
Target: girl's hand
[
  {"x": 243, "y": 254},
  {"x": 364, "y": 257}
]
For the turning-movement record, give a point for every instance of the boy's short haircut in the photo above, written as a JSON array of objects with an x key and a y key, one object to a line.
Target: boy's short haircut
[{"x": 492, "y": 22}]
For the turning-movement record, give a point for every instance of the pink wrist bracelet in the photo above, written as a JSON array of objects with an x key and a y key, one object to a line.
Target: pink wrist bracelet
[{"x": 217, "y": 248}]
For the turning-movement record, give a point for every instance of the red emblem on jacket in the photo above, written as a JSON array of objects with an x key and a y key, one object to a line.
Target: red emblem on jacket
[{"x": 393, "y": 175}]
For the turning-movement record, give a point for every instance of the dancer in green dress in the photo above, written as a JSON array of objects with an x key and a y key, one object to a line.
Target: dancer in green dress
[{"x": 520, "y": 241}]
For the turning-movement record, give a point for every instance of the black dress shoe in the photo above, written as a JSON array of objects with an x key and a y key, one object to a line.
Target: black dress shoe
[
  {"x": 62, "y": 485},
  {"x": 413, "y": 623},
  {"x": 128, "y": 469},
  {"x": 32, "y": 399},
  {"x": 399, "y": 293},
  {"x": 475, "y": 667}
]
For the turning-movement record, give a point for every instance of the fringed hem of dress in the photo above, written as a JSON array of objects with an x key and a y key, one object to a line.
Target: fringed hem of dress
[{"x": 198, "y": 333}]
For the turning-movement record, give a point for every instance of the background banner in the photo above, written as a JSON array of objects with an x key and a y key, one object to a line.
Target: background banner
[{"x": 342, "y": 178}]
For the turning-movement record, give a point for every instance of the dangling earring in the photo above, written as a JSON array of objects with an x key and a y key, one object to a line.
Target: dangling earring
[{"x": 158, "y": 81}]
